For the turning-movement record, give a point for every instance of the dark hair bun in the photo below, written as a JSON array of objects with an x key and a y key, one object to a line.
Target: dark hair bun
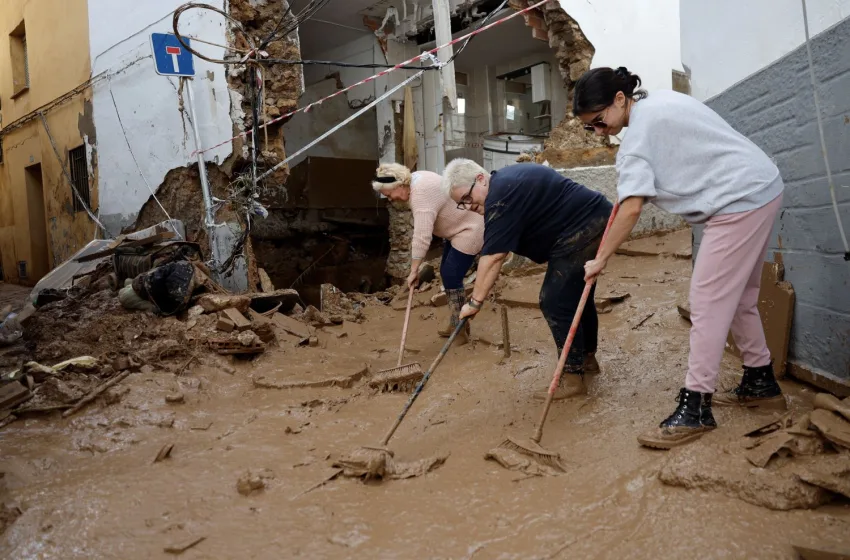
[
  {"x": 633, "y": 80},
  {"x": 597, "y": 88}
]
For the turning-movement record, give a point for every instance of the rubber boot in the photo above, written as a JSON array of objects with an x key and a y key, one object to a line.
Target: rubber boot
[
  {"x": 591, "y": 366},
  {"x": 758, "y": 389},
  {"x": 691, "y": 419},
  {"x": 455, "y": 299},
  {"x": 571, "y": 385}
]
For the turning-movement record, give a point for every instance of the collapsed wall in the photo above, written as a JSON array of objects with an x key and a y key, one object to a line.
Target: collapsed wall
[{"x": 568, "y": 145}]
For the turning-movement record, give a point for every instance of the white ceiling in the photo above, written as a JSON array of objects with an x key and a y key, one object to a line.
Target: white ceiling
[
  {"x": 341, "y": 22},
  {"x": 509, "y": 41},
  {"x": 338, "y": 23}
]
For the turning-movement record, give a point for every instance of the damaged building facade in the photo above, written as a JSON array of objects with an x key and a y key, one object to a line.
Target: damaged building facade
[
  {"x": 766, "y": 94},
  {"x": 126, "y": 133},
  {"x": 506, "y": 93}
]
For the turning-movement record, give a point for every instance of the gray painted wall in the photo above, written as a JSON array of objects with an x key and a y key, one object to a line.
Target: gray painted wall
[
  {"x": 604, "y": 179},
  {"x": 775, "y": 109}
]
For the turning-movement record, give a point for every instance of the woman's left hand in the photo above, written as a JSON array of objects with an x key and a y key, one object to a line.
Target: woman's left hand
[
  {"x": 593, "y": 268},
  {"x": 468, "y": 311}
]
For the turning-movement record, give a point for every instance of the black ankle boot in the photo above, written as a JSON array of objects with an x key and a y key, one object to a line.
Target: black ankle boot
[
  {"x": 758, "y": 389},
  {"x": 690, "y": 420}
]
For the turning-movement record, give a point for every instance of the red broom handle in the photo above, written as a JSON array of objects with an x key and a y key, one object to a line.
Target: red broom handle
[{"x": 556, "y": 378}]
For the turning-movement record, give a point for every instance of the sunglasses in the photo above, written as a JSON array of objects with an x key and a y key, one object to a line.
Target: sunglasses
[
  {"x": 598, "y": 123},
  {"x": 466, "y": 199}
]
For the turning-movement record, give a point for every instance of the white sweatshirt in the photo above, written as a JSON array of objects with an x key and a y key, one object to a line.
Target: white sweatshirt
[{"x": 684, "y": 158}]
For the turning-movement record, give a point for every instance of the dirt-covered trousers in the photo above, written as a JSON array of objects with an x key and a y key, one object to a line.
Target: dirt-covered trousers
[{"x": 562, "y": 289}]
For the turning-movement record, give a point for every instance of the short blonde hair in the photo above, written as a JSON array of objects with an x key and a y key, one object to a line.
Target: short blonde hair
[
  {"x": 460, "y": 173},
  {"x": 400, "y": 172}
]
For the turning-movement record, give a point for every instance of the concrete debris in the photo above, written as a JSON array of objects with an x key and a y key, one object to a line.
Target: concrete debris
[
  {"x": 315, "y": 318},
  {"x": 240, "y": 322},
  {"x": 232, "y": 346},
  {"x": 832, "y": 427},
  {"x": 13, "y": 394},
  {"x": 213, "y": 303},
  {"x": 253, "y": 481},
  {"x": 224, "y": 324},
  {"x": 797, "y": 464},
  {"x": 291, "y": 326},
  {"x": 266, "y": 285},
  {"x": 175, "y": 398},
  {"x": 164, "y": 453}
]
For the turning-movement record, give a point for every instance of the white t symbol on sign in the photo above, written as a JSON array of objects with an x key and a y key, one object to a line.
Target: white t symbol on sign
[{"x": 174, "y": 52}]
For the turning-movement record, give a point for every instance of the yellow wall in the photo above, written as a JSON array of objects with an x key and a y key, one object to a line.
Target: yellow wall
[{"x": 57, "y": 34}]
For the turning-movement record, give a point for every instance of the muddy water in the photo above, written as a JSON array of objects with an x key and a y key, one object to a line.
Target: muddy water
[{"x": 89, "y": 488}]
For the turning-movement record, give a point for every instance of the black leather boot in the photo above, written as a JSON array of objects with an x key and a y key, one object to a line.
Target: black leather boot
[
  {"x": 758, "y": 389},
  {"x": 691, "y": 419}
]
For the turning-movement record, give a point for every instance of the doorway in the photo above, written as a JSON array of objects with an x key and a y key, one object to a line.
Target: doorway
[{"x": 39, "y": 258}]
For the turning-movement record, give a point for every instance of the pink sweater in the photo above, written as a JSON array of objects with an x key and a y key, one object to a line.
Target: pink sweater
[{"x": 434, "y": 213}]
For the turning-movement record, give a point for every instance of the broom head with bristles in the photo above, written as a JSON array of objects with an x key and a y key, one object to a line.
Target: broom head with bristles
[
  {"x": 398, "y": 379},
  {"x": 532, "y": 449}
]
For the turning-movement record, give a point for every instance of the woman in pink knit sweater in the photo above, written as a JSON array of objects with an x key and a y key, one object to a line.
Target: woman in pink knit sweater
[{"x": 434, "y": 213}]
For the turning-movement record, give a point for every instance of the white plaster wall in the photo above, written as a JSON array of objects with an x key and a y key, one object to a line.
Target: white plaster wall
[
  {"x": 725, "y": 41},
  {"x": 642, "y": 35},
  {"x": 150, "y": 105},
  {"x": 356, "y": 140},
  {"x": 360, "y": 51}
]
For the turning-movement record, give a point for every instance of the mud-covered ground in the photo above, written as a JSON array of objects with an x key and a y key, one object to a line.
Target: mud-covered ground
[{"x": 88, "y": 486}]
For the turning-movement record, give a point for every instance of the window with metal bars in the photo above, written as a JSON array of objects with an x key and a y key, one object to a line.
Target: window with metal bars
[
  {"x": 80, "y": 177},
  {"x": 26, "y": 62}
]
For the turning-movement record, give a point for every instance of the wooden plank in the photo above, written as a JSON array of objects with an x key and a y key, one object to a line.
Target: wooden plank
[
  {"x": 240, "y": 322},
  {"x": 266, "y": 285},
  {"x": 776, "y": 308},
  {"x": 12, "y": 394},
  {"x": 110, "y": 249},
  {"x": 150, "y": 240}
]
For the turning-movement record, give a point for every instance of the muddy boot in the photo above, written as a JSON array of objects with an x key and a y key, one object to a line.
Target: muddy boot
[
  {"x": 591, "y": 366},
  {"x": 691, "y": 419},
  {"x": 571, "y": 385},
  {"x": 455, "y": 299},
  {"x": 758, "y": 389}
]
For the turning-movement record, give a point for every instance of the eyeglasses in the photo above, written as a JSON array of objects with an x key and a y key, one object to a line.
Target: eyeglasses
[
  {"x": 598, "y": 122},
  {"x": 466, "y": 199}
]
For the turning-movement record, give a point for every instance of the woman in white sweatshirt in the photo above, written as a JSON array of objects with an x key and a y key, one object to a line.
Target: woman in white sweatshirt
[{"x": 683, "y": 157}]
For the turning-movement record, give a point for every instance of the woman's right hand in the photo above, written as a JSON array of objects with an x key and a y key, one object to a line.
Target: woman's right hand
[{"x": 413, "y": 279}]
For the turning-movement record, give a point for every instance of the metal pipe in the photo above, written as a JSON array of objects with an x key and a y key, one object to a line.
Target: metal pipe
[{"x": 209, "y": 218}]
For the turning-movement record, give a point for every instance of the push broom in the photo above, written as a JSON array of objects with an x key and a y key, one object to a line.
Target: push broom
[
  {"x": 401, "y": 374},
  {"x": 371, "y": 461},
  {"x": 531, "y": 447}
]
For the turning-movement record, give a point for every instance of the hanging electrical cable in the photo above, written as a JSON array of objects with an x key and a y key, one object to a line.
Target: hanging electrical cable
[{"x": 822, "y": 139}]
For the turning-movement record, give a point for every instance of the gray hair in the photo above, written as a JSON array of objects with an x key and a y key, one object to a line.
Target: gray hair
[{"x": 461, "y": 172}]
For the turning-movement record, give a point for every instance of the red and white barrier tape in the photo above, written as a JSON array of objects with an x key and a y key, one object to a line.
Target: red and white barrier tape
[{"x": 421, "y": 57}]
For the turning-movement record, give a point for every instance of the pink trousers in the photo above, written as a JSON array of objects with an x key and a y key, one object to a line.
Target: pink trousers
[{"x": 725, "y": 292}]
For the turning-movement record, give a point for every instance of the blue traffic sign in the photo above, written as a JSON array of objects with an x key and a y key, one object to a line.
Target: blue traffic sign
[{"x": 170, "y": 57}]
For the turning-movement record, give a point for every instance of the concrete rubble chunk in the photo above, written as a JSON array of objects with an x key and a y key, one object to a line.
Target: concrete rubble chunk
[
  {"x": 237, "y": 318},
  {"x": 212, "y": 303}
]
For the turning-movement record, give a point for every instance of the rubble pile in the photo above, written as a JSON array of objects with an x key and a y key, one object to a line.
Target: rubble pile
[{"x": 786, "y": 464}]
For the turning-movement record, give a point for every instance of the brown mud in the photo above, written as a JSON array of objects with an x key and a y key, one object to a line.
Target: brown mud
[{"x": 88, "y": 487}]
